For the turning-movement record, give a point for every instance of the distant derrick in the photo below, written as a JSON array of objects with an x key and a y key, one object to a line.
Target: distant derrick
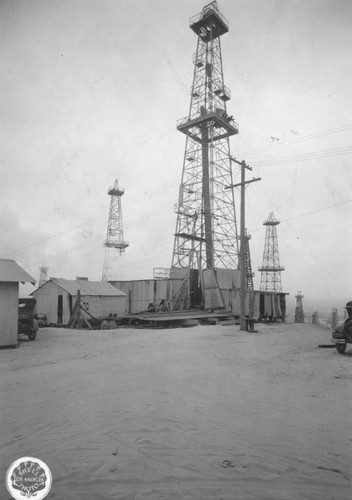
[
  {"x": 299, "y": 313},
  {"x": 114, "y": 236},
  {"x": 271, "y": 269},
  {"x": 248, "y": 265},
  {"x": 43, "y": 277},
  {"x": 334, "y": 317},
  {"x": 315, "y": 318}
]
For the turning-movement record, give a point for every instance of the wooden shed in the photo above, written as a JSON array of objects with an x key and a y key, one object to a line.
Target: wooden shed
[
  {"x": 57, "y": 296},
  {"x": 11, "y": 274}
]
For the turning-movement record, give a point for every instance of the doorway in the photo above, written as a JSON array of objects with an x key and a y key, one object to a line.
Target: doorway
[{"x": 59, "y": 309}]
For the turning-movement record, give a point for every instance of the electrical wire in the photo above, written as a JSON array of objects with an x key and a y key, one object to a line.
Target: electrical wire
[
  {"x": 130, "y": 223},
  {"x": 309, "y": 250},
  {"x": 313, "y": 155},
  {"x": 308, "y": 137},
  {"x": 134, "y": 222},
  {"x": 317, "y": 210}
]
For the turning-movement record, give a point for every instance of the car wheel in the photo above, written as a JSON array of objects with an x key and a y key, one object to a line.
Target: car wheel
[
  {"x": 341, "y": 348},
  {"x": 348, "y": 331},
  {"x": 32, "y": 335}
]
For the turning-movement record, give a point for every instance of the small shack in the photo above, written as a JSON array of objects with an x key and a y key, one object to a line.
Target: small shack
[
  {"x": 57, "y": 297},
  {"x": 11, "y": 274}
]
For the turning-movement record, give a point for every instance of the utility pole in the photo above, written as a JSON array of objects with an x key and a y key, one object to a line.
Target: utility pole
[{"x": 242, "y": 237}]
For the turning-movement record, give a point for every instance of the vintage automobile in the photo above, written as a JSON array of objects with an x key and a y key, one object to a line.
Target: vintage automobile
[
  {"x": 27, "y": 322},
  {"x": 342, "y": 334},
  {"x": 42, "y": 320}
]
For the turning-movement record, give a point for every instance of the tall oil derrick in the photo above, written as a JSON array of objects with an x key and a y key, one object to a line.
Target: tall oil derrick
[
  {"x": 271, "y": 270},
  {"x": 248, "y": 265},
  {"x": 206, "y": 229},
  {"x": 114, "y": 237},
  {"x": 299, "y": 313}
]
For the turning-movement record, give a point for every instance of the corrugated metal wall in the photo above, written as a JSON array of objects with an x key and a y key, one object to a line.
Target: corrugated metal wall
[
  {"x": 101, "y": 307},
  {"x": 141, "y": 293},
  {"x": 8, "y": 313}
]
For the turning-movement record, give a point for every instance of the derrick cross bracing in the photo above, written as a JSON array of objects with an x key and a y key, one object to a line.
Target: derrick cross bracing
[
  {"x": 115, "y": 241},
  {"x": 206, "y": 229},
  {"x": 270, "y": 280}
]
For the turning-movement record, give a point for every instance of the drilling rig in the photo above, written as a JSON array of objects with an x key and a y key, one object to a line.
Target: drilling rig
[
  {"x": 299, "y": 312},
  {"x": 271, "y": 269},
  {"x": 114, "y": 237},
  {"x": 206, "y": 229},
  {"x": 249, "y": 275}
]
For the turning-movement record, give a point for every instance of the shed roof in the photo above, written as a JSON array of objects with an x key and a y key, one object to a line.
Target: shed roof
[
  {"x": 97, "y": 288},
  {"x": 11, "y": 271}
]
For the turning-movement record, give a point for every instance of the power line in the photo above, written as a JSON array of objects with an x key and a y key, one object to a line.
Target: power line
[
  {"x": 309, "y": 137},
  {"x": 307, "y": 247},
  {"x": 314, "y": 155},
  {"x": 316, "y": 211},
  {"x": 130, "y": 223},
  {"x": 302, "y": 215},
  {"x": 57, "y": 235}
]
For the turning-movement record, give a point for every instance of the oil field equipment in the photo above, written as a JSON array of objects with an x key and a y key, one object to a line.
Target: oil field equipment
[
  {"x": 114, "y": 237},
  {"x": 206, "y": 228},
  {"x": 271, "y": 270}
]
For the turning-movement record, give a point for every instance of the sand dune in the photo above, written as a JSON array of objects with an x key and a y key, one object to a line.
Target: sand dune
[{"x": 206, "y": 413}]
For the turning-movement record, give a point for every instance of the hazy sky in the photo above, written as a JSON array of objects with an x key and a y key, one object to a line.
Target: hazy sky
[{"x": 90, "y": 91}]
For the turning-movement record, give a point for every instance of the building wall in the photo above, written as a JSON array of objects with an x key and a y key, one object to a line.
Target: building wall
[
  {"x": 141, "y": 293},
  {"x": 8, "y": 313},
  {"x": 101, "y": 307},
  {"x": 47, "y": 303}
]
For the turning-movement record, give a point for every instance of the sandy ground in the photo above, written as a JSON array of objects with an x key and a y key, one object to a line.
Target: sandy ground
[{"x": 206, "y": 413}]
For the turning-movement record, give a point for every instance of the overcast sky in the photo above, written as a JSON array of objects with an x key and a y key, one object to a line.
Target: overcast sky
[{"x": 90, "y": 91}]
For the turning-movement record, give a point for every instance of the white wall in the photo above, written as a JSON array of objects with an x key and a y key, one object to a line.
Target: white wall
[
  {"x": 102, "y": 306},
  {"x": 8, "y": 313},
  {"x": 140, "y": 293},
  {"x": 47, "y": 301}
]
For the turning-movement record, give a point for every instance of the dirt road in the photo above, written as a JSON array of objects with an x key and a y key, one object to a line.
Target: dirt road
[{"x": 206, "y": 413}]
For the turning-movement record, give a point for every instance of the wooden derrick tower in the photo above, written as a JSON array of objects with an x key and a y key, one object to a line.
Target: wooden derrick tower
[
  {"x": 114, "y": 237},
  {"x": 271, "y": 270},
  {"x": 299, "y": 313},
  {"x": 248, "y": 265},
  {"x": 206, "y": 229}
]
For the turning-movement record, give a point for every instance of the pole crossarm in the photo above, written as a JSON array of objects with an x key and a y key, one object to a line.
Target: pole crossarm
[
  {"x": 243, "y": 183},
  {"x": 241, "y": 163}
]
